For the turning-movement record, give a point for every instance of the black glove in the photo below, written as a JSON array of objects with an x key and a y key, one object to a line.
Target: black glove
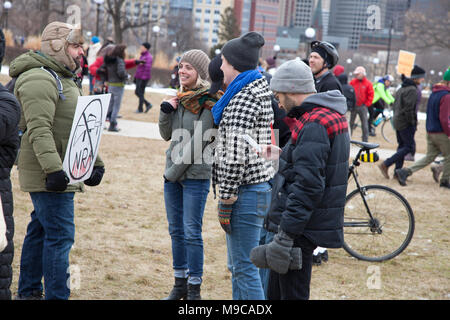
[
  {"x": 56, "y": 181},
  {"x": 224, "y": 214},
  {"x": 137, "y": 61},
  {"x": 96, "y": 177},
  {"x": 167, "y": 107},
  {"x": 279, "y": 255}
]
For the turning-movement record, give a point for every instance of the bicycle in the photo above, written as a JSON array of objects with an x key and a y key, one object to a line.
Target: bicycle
[
  {"x": 384, "y": 117},
  {"x": 378, "y": 221}
]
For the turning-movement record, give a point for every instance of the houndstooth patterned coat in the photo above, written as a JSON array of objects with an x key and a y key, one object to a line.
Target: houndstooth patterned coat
[{"x": 236, "y": 163}]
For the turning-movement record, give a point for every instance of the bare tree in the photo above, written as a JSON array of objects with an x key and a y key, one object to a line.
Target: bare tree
[
  {"x": 429, "y": 28},
  {"x": 121, "y": 23},
  {"x": 182, "y": 31}
]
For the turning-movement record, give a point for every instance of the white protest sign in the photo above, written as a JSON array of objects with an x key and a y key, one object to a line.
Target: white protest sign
[
  {"x": 84, "y": 139},
  {"x": 3, "y": 240}
]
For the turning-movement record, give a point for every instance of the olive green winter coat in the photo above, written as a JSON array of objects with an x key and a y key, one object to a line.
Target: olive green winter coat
[{"x": 46, "y": 119}]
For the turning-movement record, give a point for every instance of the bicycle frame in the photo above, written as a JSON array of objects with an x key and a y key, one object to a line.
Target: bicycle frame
[{"x": 351, "y": 173}]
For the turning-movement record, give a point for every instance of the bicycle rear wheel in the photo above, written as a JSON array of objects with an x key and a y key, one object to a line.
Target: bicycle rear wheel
[{"x": 389, "y": 231}]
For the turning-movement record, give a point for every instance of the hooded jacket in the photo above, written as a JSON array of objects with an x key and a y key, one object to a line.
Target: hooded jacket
[
  {"x": 363, "y": 91},
  {"x": 348, "y": 91},
  {"x": 309, "y": 190},
  {"x": 46, "y": 119},
  {"x": 9, "y": 144},
  {"x": 438, "y": 110},
  {"x": 405, "y": 114}
]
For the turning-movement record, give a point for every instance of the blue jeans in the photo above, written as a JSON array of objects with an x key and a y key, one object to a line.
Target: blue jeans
[
  {"x": 185, "y": 203},
  {"x": 266, "y": 238},
  {"x": 45, "y": 252},
  {"x": 247, "y": 219},
  {"x": 115, "y": 103}
]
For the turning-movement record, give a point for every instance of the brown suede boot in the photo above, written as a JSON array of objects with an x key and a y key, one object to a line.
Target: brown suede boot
[{"x": 384, "y": 170}]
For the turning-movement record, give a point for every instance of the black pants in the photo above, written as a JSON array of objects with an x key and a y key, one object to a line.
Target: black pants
[
  {"x": 294, "y": 285},
  {"x": 139, "y": 92},
  {"x": 374, "y": 110},
  {"x": 406, "y": 144}
]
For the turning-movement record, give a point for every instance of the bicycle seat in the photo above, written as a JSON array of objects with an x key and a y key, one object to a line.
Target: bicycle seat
[{"x": 365, "y": 145}]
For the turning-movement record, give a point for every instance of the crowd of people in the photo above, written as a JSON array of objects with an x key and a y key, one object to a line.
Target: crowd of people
[{"x": 270, "y": 201}]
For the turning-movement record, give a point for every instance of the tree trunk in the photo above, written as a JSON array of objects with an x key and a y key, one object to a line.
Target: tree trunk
[{"x": 45, "y": 9}]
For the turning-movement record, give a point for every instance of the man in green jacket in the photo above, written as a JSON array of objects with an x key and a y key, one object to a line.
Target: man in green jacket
[
  {"x": 381, "y": 98},
  {"x": 48, "y": 108}
]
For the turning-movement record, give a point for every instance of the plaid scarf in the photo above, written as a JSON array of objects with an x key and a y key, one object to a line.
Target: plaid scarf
[{"x": 196, "y": 99}]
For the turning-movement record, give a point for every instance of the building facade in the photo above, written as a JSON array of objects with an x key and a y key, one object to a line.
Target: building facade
[{"x": 349, "y": 18}]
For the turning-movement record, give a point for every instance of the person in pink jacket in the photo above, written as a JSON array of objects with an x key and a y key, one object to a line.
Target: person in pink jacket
[{"x": 364, "y": 97}]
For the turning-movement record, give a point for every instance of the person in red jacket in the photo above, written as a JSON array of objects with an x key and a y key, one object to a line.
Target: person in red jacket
[{"x": 364, "y": 97}]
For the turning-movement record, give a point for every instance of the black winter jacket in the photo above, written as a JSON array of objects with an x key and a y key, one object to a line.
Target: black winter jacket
[
  {"x": 348, "y": 91},
  {"x": 309, "y": 190},
  {"x": 327, "y": 82},
  {"x": 9, "y": 144},
  {"x": 405, "y": 114}
]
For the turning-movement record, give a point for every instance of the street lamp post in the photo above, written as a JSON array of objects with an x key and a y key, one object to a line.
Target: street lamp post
[
  {"x": 376, "y": 61},
  {"x": 99, "y": 3},
  {"x": 310, "y": 33},
  {"x": 389, "y": 47},
  {"x": 276, "y": 49},
  {"x": 7, "y": 6},
  {"x": 155, "y": 30}
]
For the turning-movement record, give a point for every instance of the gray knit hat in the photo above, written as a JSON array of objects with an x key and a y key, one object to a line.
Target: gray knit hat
[
  {"x": 293, "y": 76},
  {"x": 199, "y": 60}
]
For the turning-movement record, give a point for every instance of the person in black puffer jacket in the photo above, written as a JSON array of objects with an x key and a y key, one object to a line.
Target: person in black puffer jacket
[
  {"x": 309, "y": 190},
  {"x": 9, "y": 144}
]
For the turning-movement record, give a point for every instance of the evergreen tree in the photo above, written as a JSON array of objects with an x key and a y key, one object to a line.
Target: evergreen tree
[{"x": 229, "y": 28}]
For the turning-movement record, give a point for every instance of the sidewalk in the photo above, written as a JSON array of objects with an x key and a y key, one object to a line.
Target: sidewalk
[{"x": 149, "y": 130}]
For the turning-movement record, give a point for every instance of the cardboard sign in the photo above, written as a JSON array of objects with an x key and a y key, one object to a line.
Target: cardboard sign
[
  {"x": 405, "y": 62},
  {"x": 84, "y": 139}
]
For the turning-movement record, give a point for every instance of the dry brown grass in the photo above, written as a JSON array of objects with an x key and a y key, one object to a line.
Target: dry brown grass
[{"x": 123, "y": 249}]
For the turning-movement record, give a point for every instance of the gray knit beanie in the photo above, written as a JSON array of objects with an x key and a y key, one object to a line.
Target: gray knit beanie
[
  {"x": 199, "y": 60},
  {"x": 293, "y": 76}
]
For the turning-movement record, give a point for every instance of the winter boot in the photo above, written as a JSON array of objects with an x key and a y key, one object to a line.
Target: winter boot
[
  {"x": 193, "y": 292},
  {"x": 179, "y": 291},
  {"x": 401, "y": 175},
  {"x": 437, "y": 170}
]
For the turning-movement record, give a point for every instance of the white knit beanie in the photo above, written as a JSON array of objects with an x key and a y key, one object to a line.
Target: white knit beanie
[{"x": 293, "y": 76}]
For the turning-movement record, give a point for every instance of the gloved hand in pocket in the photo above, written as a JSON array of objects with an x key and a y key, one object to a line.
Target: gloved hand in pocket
[
  {"x": 56, "y": 181},
  {"x": 224, "y": 214},
  {"x": 279, "y": 255}
]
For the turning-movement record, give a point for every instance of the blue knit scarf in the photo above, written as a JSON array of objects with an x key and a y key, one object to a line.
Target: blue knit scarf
[{"x": 235, "y": 86}]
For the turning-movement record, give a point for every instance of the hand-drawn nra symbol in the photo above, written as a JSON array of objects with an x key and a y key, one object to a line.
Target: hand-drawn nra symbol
[{"x": 86, "y": 138}]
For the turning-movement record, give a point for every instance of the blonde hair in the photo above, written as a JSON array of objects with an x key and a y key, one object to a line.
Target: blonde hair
[{"x": 200, "y": 83}]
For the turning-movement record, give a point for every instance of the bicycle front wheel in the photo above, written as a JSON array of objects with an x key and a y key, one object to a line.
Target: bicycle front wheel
[
  {"x": 388, "y": 131},
  {"x": 385, "y": 232}
]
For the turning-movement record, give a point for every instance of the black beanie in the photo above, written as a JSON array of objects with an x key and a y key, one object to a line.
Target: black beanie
[
  {"x": 417, "y": 72},
  {"x": 147, "y": 45},
  {"x": 243, "y": 52}
]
